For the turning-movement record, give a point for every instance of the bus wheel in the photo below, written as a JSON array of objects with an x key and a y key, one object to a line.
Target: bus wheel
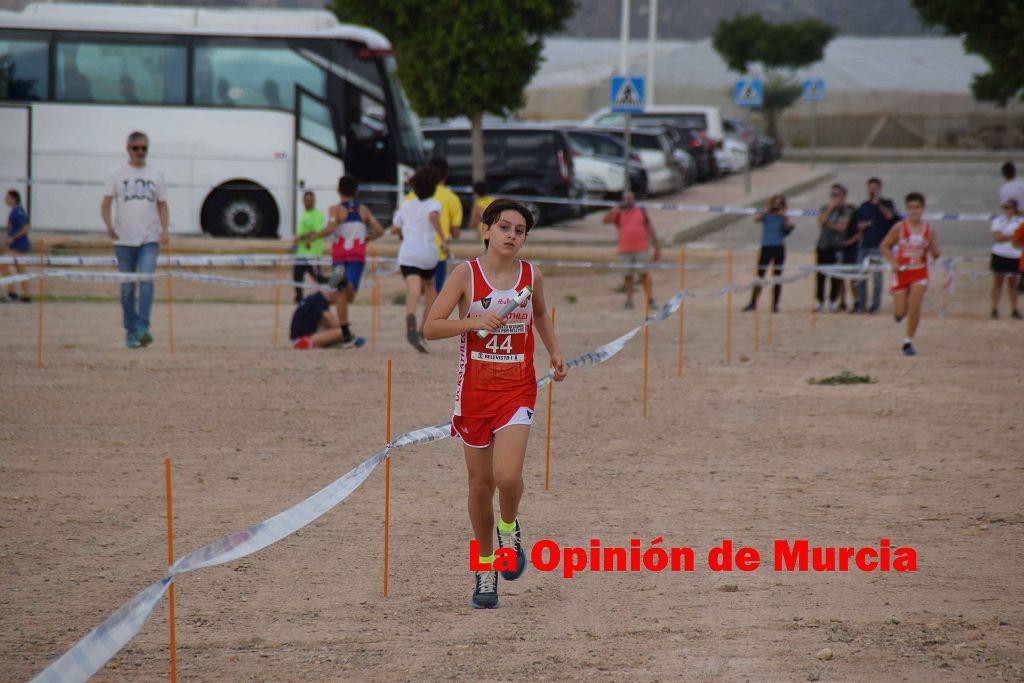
[{"x": 244, "y": 210}]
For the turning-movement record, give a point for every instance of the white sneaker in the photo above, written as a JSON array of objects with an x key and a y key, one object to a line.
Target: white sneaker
[{"x": 833, "y": 307}]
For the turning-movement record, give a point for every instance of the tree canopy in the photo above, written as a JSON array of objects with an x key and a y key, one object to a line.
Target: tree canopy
[
  {"x": 992, "y": 29},
  {"x": 780, "y": 49},
  {"x": 459, "y": 58}
]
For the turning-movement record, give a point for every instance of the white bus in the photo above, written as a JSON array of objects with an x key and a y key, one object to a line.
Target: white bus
[{"x": 244, "y": 109}]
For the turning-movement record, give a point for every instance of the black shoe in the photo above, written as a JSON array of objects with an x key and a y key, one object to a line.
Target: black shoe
[
  {"x": 748, "y": 308},
  {"x": 485, "y": 595},
  {"x": 908, "y": 349},
  {"x": 351, "y": 341},
  {"x": 873, "y": 310},
  {"x": 11, "y": 296},
  {"x": 513, "y": 539},
  {"x": 857, "y": 309},
  {"x": 25, "y": 299},
  {"x": 412, "y": 335},
  {"x": 995, "y": 314},
  {"x": 144, "y": 337},
  {"x": 775, "y": 308},
  {"x": 1015, "y": 315}
]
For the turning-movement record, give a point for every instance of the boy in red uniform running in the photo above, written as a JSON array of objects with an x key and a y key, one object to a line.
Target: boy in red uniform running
[
  {"x": 906, "y": 248},
  {"x": 497, "y": 385}
]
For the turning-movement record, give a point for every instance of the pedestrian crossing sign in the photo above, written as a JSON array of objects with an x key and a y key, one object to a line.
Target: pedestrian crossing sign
[
  {"x": 814, "y": 89},
  {"x": 748, "y": 92},
  {"x": 627, "y": 94}
]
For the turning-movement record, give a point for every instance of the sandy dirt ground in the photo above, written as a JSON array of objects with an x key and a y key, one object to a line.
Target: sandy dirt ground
[{"x": 929, "y": 456}]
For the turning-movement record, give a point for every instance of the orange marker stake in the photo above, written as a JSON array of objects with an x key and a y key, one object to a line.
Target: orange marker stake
[
  {"x": 547, "y": 442},
  {"x": 170, "y": 300},
  {"x": 39, "y": 341},
  {"x": 728, "y": 314},
  {"x": 771, "y": 311},
  {"x": 647, "y": 314},
  {"x": 170, "y": 561},
  {"x": 682, "y": 286},
  {"x": 756, "y": 316},
  {"x": 814, "y": 299},
  {"x": 277, "y": 298},
  {"x": 387, "y": 484}
]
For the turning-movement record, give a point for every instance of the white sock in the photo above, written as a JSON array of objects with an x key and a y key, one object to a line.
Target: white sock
[{"x": 908, "y": 340}]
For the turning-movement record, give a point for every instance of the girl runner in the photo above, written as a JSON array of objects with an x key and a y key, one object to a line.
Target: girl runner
[{"x": 497, "y": 387}]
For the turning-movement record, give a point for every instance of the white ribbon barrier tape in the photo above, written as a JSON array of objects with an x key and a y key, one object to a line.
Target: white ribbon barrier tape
[
  {"x": 90, "y": 653},
  {"x": 370, "y": 187}
]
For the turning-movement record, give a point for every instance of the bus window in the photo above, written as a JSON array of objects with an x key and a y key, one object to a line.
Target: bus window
[
  {"x": 121, "y": 73},
  {"x": 315, "y": 124},
  {"x": 23, "y": 72},
  {"x": 253, "y": 76}
]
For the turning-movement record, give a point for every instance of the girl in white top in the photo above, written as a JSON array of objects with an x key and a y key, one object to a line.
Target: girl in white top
[
  {"x": 416, "y": 222},
  {"x": 1005, "y": 257}
]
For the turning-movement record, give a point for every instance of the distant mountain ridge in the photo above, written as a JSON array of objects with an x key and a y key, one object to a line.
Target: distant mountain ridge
[{"x": 695, "y": 19}]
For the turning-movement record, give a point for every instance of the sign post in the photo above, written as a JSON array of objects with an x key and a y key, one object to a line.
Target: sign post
[
  {"x": 814, "y": 91},
  {"x": 748, "y": 93},
  {"x": 627, "y": 97}
]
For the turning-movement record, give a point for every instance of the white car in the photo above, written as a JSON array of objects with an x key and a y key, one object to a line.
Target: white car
[
  {"x": 600, "y": 177},
  {"x": 707, "y": 118},
  {"x": 733, "y": 156}
]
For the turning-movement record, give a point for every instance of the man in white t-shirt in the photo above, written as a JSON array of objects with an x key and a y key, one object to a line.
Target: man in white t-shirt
[
  {"x": 1013, "y": 188},
  {"x": 140, "y": 225}
]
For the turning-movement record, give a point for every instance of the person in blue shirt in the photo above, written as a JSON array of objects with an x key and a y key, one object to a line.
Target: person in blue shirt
[
  {"x": 16, "y": 240},
  {"x": 873, "y": 219},
  {"x": 775, "y": 226}
]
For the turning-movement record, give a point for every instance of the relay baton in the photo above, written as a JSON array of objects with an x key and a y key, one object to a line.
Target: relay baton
[{"x": 518, "y": 300}]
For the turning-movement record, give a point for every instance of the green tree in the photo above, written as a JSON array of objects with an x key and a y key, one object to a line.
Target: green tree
[
  {"x": 780, "y": 49},
  {"x": 462, "y": 58},
  {"x": 993, "y": 29}
]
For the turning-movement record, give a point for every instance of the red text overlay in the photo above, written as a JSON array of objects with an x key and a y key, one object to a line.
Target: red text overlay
[{"x": 797, "y": 555}]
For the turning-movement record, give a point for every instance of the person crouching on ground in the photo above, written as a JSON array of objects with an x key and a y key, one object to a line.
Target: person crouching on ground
[{"x": 313, "y": 324}]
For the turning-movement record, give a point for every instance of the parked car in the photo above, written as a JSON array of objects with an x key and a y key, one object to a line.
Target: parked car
[
  {"x": 655, "y": 151},
  {"x": 762, "y": 148},
  {"x": 708, "y": 119},
  {"x": 702, "y": 149},
  {"x": 607, "y": 147},
  {"x": 520, "y": 159},
  {"x": 681, "y": 154},
  {"x": 733, "y": 156}
]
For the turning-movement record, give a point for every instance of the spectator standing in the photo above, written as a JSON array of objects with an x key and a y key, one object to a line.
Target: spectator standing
[
  {"x": 774, "y": 229},
  {"x": 17, "y": 241},
  {"x": 1013, "y": 188},
  {"x": 636, "y": 237},
  {"x": 308, "y": 251},
  {"x": 481, "y": 200},
  {"x": 874, "y": 218},
  {"x": 139, "y": 225},
  {"x": 834, "y": 219},
  {"x": 1006, "y": 257}
]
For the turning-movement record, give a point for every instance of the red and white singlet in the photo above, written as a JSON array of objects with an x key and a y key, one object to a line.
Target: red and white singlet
[
  {"x": 496, "y": 373},
  {"x": 911, "y": 252}
]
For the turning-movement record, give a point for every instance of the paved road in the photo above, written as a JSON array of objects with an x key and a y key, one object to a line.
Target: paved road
[{"x": 949, "y": 186}]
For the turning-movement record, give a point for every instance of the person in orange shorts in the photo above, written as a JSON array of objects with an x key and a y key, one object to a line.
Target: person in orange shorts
[{"x": 906, "y": 248}]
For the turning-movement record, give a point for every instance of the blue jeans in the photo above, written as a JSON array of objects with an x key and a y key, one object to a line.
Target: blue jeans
[
  {"x": 875, "y": 255},
  {"x": 131, "y": 260}
]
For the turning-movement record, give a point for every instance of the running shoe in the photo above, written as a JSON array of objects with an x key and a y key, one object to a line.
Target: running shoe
[
  {"x": 748, "y": 308},
  {"x": 485, "y": 595},
  {"x": 1015, "y": 315},
  {"x": 412, "y": 334},
  {"x": 352, "y": 341},
  {"x": 908, "y": 349},
  {"x": 132, "y": 341},
  {"x": 513, "y": 539},
  {"x": 144, "y": 337}
]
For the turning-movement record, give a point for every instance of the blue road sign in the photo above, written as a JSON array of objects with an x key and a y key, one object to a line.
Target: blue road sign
[
  {"x": 627, "y": 94},
  {"x": 814, "y": 89},
  {"x": 748, "y": 92}
]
